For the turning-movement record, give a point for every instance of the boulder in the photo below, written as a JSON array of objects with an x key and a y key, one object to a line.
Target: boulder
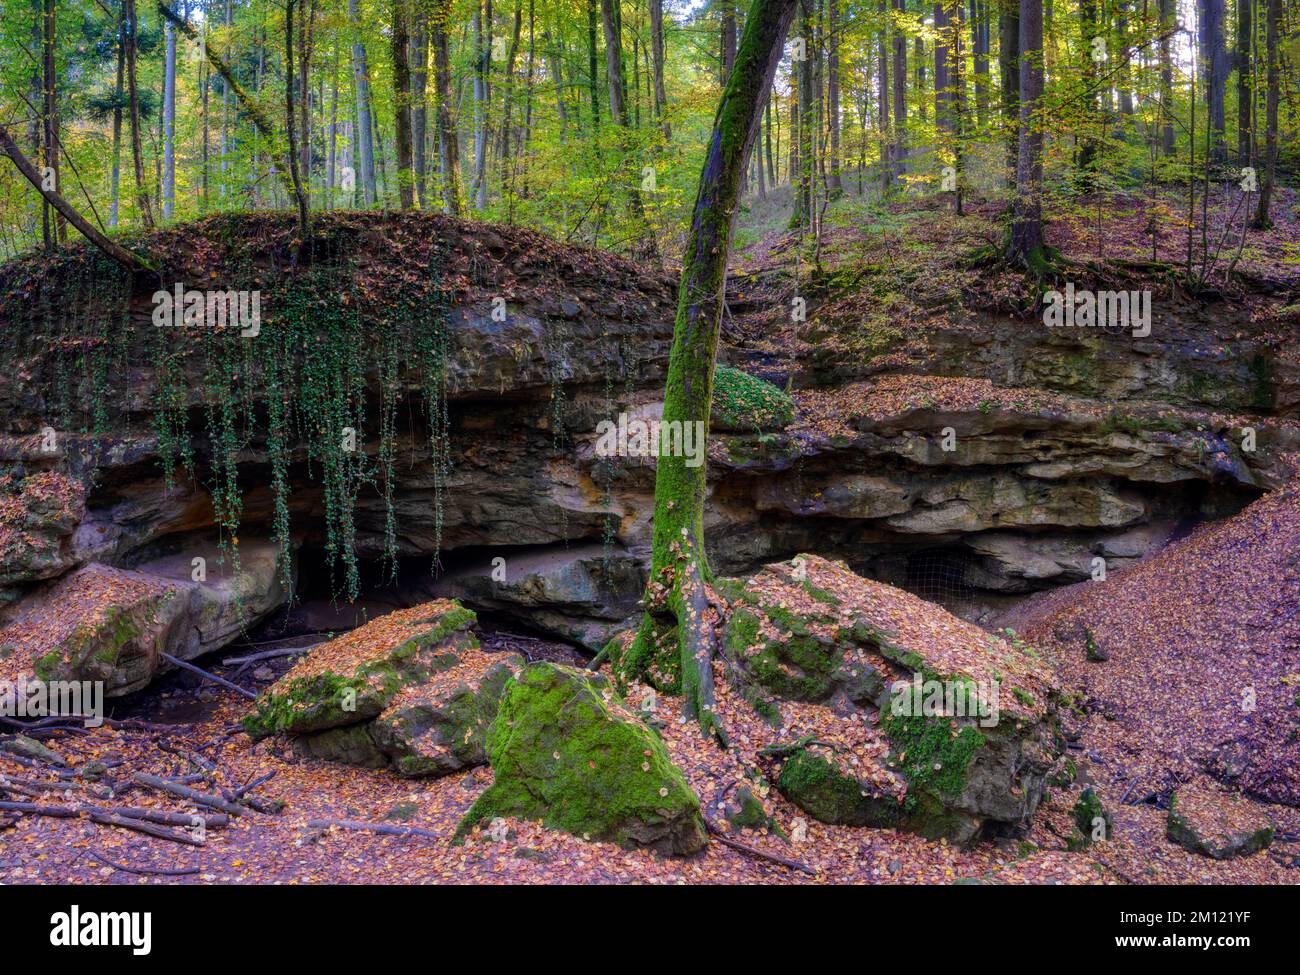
[
  {"x": 959, "y": 724},
  {"x": 102, "y": 623},
  {"x": 440, "y": 726},
  {"x": 1206, "y": 819},
  {"x": 567, "y": 751},
  {"x": 38, "y": 515},
  {"x": 353, "y": 678}
]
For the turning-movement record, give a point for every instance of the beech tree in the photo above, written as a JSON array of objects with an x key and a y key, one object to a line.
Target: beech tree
[{"x": 677, "y": 600}]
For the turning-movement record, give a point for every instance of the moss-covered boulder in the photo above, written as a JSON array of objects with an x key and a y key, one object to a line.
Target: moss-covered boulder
[
  {"x": 354, "y": 678},
  {"x": 565, "y": 750},
  {"x": 960, "y": 723},
  {"x": 440, "y": 726},
  {"x": 747, "y": 404},
  {"x": 1206, "y": 819},
  {"x": 827, "y": 791}
]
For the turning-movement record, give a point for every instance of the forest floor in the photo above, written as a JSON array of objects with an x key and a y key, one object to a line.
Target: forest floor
[{"x": 1154, "y": 718}]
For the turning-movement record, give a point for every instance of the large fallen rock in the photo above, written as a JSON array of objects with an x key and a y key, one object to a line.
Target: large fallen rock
[
  {"x": 410, "y": 690},
  {"x": 1204, "y": 818},
  {"x": 355, "y": 677},
  {"x": 959, "y": 724},
  {"x": 565, "y": 750},
  {"x": 113, "y": 625},
  {"x": 38, "y": 515}
]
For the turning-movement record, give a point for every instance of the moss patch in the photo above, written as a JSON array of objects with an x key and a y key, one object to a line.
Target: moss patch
[{"x": 565, "y": 750}]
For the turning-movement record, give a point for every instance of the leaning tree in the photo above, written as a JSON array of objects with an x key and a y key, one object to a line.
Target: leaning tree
[{"x": 681, "y": 614}]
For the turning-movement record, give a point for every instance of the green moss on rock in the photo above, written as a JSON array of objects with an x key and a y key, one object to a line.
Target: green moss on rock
[
  {"x": 565, "y": 751},
  {"x": 746, "y": 403},
  {"x": 830, "y": 794}
]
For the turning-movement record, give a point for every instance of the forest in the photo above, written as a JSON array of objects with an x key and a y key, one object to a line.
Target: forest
[{"x": 639, "y": 442}]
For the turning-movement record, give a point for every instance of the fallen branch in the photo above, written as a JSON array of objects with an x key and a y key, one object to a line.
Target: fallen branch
[
  {"x": 154, "y": 871},
  {"x": 383, "y": 828},
  {"x": 243, "y": 790},
  {"x": 185, "y": 792},
  {"x": 159, "y": 816},
  {"x": 140, "y": 826},
  {"x": 755, "y": 852},
  {"x": 212, "y": 677},
  {"x": 266, "y": 655},
  {"x": 128, "y": 259}
]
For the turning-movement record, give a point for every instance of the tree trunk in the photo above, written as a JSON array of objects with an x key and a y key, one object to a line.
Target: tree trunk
[
  {"x": 883, "y": 97},
  {"x": 448, "y": 146},
  {"x": 1025, "y": 246},
  {"x": 611, "y": 19},
  {"x": 1009, "y": 78},
  {"x": 112, "y": 248},
  {"x": 680, "y": 572},
  {"x": 118, "y": 90},
  {"x": 1088, "y": 137},
  {"x": 979, "y": 32},
  {"x": 899, "y": 151},
  {"x": 366, "y": 188},
  {"x": 289, "y": 120},
  {"x": 834, "y": 184},
  {"x": 401, "y": 47},
  {"x": 1245, "y": 71},
  {"x": 801, "y": 144},
  {"x": 482, "y": 59},
  {"x": 1168, "y": 20},
  {"x": 727, "y": 31},
  {"x": 1263, "y": 219},
  {"x": 169, "y": 126},
  {"x": 133, "y": 99},
  {"x": 593, "y": 74},
  {"x": 657, "y": 58},
  {"x": 419, "y": 110},
  {"x": 1214, "y": 69}
]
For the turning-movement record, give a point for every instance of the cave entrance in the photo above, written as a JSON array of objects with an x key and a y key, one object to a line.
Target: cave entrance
[{"x": 943, "y": 576}]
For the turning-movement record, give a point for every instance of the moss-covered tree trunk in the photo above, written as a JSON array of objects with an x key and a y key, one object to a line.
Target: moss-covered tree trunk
[{"x": 677, "y": 599}]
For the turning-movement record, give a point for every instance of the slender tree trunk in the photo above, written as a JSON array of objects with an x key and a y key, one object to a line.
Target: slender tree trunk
[
  {"x": 1088, "y": 137},
  {"x": 979, "y": 31},
  {"x": 727, "y": 40},
  {"x": 112, "y": 248},
  {"x": 612, "y": 22},
  {"x": 1214, "y": 69},
  {"x": 482, "y": 59},
  {"x": 1168, "y": 19},
  {"x": 169, "y": 126},
  {"x": 133, "y": 99},
  {"x": 419, "y": 100},
  {"x": 448, "y": 144},
  {"x": 1273, "y": 21},
  {"x": 657, "y": 58},
  {"x": 115, "y": 180},
  {"x": 1009, "y": 78},
  {"x": 1245, "y": 76},
  {"x": 593, "y": 73},
  {"x": 401, "y": 46},
  {"x": 1026, "y": 239},
  {"x": 802, "y": 123},
  {"x": 883, "y": 98},
  {"x": 53, "y": 145},
  {"x": 899, "y": 151},
  {"x": 289, "y": 120},
  {"x": 365, "y": 151},
  {"x": 677, "y": 596},
  {"x": 834, "y": 184}
]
